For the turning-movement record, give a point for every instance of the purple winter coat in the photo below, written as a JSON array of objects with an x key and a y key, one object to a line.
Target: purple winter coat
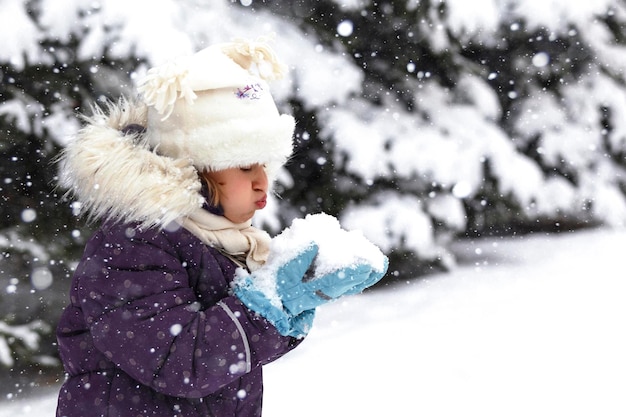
[{"x": 152, "y": 330}]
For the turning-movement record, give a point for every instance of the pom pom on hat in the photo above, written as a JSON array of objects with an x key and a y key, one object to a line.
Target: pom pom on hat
[{"x": 215, "y": 108}]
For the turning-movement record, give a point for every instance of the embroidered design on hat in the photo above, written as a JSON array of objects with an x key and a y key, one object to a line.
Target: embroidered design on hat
[{"x": 250, "y": 91}]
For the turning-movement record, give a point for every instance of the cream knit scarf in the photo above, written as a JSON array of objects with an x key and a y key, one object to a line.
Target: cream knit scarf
[{"x": 235, "y": 239}]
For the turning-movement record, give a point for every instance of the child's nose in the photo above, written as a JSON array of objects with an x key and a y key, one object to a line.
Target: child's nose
[{"x": 260, "y": 180}]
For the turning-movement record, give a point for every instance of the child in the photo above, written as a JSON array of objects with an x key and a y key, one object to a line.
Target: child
[{"x": 157, "y": 323}]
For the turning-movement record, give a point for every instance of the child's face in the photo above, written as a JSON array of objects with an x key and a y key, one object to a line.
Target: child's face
[{"x": 242, "y": 191}]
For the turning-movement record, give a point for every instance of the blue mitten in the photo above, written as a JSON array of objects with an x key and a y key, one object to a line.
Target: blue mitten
[
  {"x": 374, "y": 277},
  {"x": 258, "y": 299},
  {"x": 298, "y": 294},
  {"x": 286, "y": 324},
  {"x": 302, "y": 323}
]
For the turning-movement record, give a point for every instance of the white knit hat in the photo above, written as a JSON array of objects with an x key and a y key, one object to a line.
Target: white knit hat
[{"x": 215, "y": 109}]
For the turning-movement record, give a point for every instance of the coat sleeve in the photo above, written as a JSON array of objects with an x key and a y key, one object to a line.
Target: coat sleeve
[{"x": 145, "y": 317}]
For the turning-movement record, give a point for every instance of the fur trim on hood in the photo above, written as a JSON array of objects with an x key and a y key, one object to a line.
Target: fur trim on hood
[{"x": 117, "y": 177}]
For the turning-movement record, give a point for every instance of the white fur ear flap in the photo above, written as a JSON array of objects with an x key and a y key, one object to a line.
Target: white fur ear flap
[{"x": 117, "y": 177}]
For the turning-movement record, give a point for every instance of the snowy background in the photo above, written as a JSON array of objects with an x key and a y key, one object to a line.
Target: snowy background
[
  {"x": 416, "y": 122},
  {"x": 432, "y": 126},
  {"x": 528, "y": 326}
]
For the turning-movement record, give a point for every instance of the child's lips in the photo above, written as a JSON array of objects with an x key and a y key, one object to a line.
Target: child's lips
[{"x": 262, "y": 202}]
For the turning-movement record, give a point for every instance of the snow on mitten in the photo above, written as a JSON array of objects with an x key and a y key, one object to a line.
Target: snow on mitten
[{"x": 346, "y": 262}]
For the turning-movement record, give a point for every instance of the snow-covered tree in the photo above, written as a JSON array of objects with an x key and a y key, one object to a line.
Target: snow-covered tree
[
  {"x": 469, "y": 117},
  {"x": 418, "y": 120}
]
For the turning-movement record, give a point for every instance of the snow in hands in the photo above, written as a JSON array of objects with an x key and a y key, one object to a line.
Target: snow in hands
[{"x": 337, "y": 250}]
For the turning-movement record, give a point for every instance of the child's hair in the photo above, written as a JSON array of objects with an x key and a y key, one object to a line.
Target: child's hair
[{"x": 213, "y": 193}]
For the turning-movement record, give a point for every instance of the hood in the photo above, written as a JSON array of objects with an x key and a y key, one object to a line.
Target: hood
[{"x": 116, "y": 176}]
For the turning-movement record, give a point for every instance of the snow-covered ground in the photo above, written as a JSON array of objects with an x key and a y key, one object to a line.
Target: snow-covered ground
[{"x": 531, "y": 326}]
